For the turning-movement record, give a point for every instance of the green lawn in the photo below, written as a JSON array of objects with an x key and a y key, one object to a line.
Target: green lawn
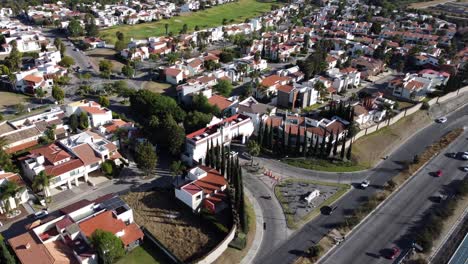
[
  {"x": 325, "y": 165},
  {"x": 211, "y": 17},
  {"x": 144, "y": 254}
]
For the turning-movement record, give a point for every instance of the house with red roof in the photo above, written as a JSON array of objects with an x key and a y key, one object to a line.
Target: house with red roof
[
  {"x": 228, "y": 106},
  {"x": 222, "y": 132},
  {"x": 97, "y": 114},
  {"x": 64, "y": 237},
  {"x": 270, "y": 84},
  {"x": 174, "y": 75},
  {"x": 204, "y": 188},
  {"x": 411, "y": 87},
  {"x": 21, "y": 196}
]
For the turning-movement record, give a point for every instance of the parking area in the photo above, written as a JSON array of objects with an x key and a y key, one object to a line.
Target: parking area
[{"x": 301, "y": 198}]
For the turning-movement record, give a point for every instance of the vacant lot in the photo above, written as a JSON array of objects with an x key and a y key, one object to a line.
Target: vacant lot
[
  {"x": 364, "y": 149},
  {"x": 144, "y": 254},
  {"x": 185, "y": 234},
  {"x": 211, "y": 17},
  {"x": 97, "y": 55},
  {"x": 8, "y": 99},
  {"x": 157, "y": 87},
  {"x": 422, "y": 5}
]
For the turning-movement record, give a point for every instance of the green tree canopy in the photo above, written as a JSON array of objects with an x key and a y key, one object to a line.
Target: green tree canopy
[
  {"x": 58, "y": 93},
  {"x": 108, "y": 246},
  {"x": 145, "y": 157},
  {"x": 66, "y": 62},
  {"x": 224, "y": 87}
]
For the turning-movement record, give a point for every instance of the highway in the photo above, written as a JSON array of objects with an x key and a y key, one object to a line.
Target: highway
[
  {"x": 313, "y": 231},
  {"x": 386, "y": 227}
]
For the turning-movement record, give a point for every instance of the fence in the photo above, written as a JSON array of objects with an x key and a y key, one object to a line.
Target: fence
[
  {"x": 219, "y": 249},
  {"x": 407, "y": 112}
]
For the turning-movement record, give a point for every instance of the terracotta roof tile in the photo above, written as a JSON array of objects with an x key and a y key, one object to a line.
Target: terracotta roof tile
[{"x": 220, "y": 101}]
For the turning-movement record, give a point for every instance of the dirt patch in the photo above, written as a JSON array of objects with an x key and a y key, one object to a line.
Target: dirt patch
[
  {"x": 364, "y": 150},
  {"x": 185, "y": 234},
  {"x": 157, "y": 87},
  {"x": 96, "y": 55},
  {"x": 8, "y": 99},
  {"x": 326, "y": 243},
  {"x": 422, "y": 5}
]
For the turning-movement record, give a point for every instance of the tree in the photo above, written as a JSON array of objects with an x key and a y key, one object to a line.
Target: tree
[
  {"x": 120, "y": 45},
  {"x": 83, "y": 120},
  {"x": 348, "y": 153},
  {"x": 177, "y": 168},
  {"x": 105, "y": 67},
  {"x": 13, "y": 61},
  {"x": 376, "y": 28},
  {"x": 74, "y": 28},
  {"x": 74, "y": 122},
  {"x": 108, "y": 246},
  {"x": 91, "y": 29},
  {"x": 196, "y": 120},
  {"x": 41, "y": 183},
  {"x": 66, "y": 62},
  {"x": 57, "y": 42},
  {"x": 253, "y": 149},
  {"x": 104, "y": 101},
  {"x": 107, "y": 167},
  {"x": 62, "y": 49},
  {"x": 145, "y": 157},
  {"x": 40, "y": 93},
  {"x": 166, "y": 26},
  {"x": 58, "y": 94},
  {"x": 128, "y": 71},
  {"x": 5, "y": 256},
  {"x": 224, "y": 87},
  {"x": 335, "y": 146}
]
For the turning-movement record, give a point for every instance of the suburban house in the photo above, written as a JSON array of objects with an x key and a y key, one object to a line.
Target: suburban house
[
  {"x": 70, "y": 160},
  {"x": 203, "y": 188},
  {"x": 411, "y": 87},
  {"x": 21, "y": 196},
  {"x": 270, "y": 84},
  {"x": 97, "y": 114},
  {"x": 93, "y": 42},
  {"x": 173, "y": 75},
  {"x": 222, "y": 132},
  {"x": 25, "y": 132},
  {"x": 64, "y": 237},
  {"x": 344, "y": 78},
  {"x": 228, "y": 106},
  {"x": 367, "y": 66},
  {"x": 256, "y": 111},
  {"x": 296, "y": 96}
]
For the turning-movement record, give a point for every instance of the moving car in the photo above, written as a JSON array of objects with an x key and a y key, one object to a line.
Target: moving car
[
  {"x": 328, "y": 210},
  {"x": 394, "y": 252},
  {"x": 365, "y": 184},
  {"x": 441, "y": 120},
  {"x": 41, "y": 214},
  {"x": 464, "y": 156},
  {"x": 439, "y": 173},
  {"x": 465, "y": 168}
]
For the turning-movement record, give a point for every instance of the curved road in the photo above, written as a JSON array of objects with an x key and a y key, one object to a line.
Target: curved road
[{"x": 313, "y": 231}]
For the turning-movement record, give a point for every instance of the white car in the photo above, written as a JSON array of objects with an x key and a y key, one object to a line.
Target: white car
[
  {"x": 464, "y": 157},
  {"x": 365, "y": 184},
  {"x": 41, "y": 214},
  {"x": 465, "y": 168},
  {"x": 441, "y": 120}
]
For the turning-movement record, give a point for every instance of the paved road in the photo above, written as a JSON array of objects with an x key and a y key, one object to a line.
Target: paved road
[
  {"x": 316, "y": 229},
  {"x": 387, "y": 226}
]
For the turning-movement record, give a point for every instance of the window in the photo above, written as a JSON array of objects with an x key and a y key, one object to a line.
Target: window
[{"x": 198, "y": 197}]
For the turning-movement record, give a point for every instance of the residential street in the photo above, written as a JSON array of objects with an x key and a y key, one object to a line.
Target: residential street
[
  {"x": 389, "y": 223},
  {"x": 304, "y": 238}
]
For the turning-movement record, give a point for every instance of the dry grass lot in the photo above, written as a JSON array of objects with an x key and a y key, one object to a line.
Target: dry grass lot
[
  {"x": 421, "y": 5},
  {"x": 185, "y": 234},
  {"x": 99, "y": 54},
  {"x": 157, "y": 87},
  {"x": 364, "y": 149},
  {"x": 8, "y": 99}
]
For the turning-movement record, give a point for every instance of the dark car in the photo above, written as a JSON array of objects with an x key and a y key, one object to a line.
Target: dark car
[
  {"x": 327, "y": 210},
  {"x": 393, "y": 253}
]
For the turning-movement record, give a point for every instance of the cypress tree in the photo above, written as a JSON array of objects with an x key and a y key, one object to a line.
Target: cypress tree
[
  {"x": 207, "y": 155},
  {"x": 347, "y": 113},
  {"x": 265, "y": 136},
  {"x": 323, "y": 145},
  {"x": 260, "y": 133},
  {"x": 316, "y": 147},
  {"x": 270, "y": 137},
  {"x": 340, "y": 111},
  {"x": 348, "y": 154},
  {"x": 304, "y": 145},
  {"x": 228, "y": 168},
  {"x": 342, "y": 153},
  {"x": 335, "y": 146},
  {"x": 288, "y": 146},
  {"x": 283, "y": 141},
  {"x": 223, "y": 161},
  {"x": 298, "y": 142},
  {"x": 351, "y": 115},
  {"x": 218, "y": 157},
  {"x": 329, "y": 145}
]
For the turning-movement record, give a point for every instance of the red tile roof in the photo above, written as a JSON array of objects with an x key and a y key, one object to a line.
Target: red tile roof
[
  {"x": 64, "y": 167},
  {"x": 29, "y": 249},
  {"x": 52, "y": 153},
  {"x": 213, "y": 128},
  {"x": 131, "y": 233},
  {"x": 285, "y": 88},
  {"x": 86, "y": 154},
  {"x": 274, "y": 80},
  {"x": 105, "y": 221},
  {"x": 172, "y": 72},
  {"x": 220, "y": 101},
  {"x": 94, "y": 110}
]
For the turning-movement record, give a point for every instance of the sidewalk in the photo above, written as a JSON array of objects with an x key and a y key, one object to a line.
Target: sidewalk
[{"x": 257, "y": 242}]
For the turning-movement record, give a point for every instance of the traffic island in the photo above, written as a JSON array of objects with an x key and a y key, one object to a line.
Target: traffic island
[{"x": 301, "y": 200}]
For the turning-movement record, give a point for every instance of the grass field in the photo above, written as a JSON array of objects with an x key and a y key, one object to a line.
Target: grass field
[
  {"x": 211, "y": 17},
  {"x": 8, "y": 99},
  {"x": 325, "y": 165},
  {"x": 421, "y": 5},
  {"x": 144, "y": 254},
  {"x": 96, "y": 55}
]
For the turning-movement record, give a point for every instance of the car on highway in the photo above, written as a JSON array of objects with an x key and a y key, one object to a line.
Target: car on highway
[
  {"x": 393, "y": 253},
  {"x": 41, "y": 214},
  {"x": 464, "y": 156},
  {"x": 439, "y": 173},
  {"x": 441, "y": 120},
  {"x": 365, "y": 184},
  {"x": 465, "y": 168}
]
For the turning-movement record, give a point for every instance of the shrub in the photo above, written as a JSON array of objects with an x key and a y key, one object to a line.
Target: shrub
[
  {"x": 108, "y": 167},
  {"x": 425, "y": 106}
]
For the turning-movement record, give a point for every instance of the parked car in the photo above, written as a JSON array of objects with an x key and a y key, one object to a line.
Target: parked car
[
  {"x": 365, "y": 184},
  {"x": 41, "y": 214},
  {"x": 465, "y": 168},
  {"x": 393, "y": 253},
  {"x": 440, "y": 198},
  {"x": 441, "y": 120},
  {"x": 439, "y": 173},
  {"x": 464, "y": 156},
  {"x": 452, "y": 155},
  {"x": 328, "y": 210}
]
